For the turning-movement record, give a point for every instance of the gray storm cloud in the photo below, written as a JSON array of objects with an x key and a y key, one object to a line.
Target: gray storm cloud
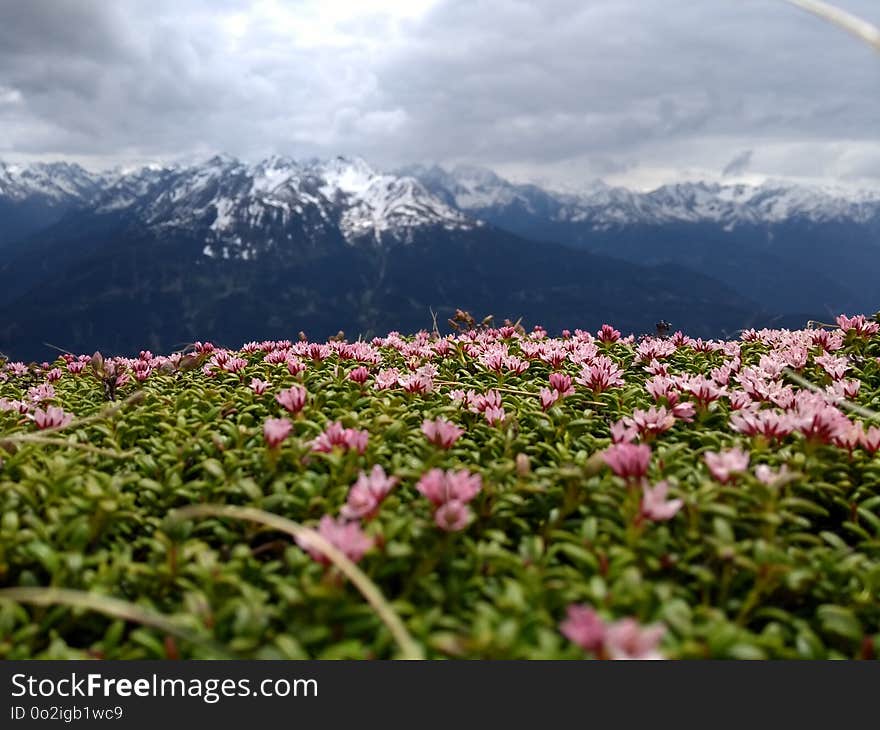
[
  {"x": 546, "y": 89},
  {"x": 738, "y": 165}
]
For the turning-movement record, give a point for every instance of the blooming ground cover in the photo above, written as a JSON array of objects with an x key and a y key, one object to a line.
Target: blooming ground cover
[{"x": 493, "y": 493}]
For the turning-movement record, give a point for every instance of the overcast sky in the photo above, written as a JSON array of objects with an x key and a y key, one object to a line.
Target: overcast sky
[{"x": 634, "y": 91}]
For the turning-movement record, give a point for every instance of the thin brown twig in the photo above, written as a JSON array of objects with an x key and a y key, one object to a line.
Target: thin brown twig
[
  {"x": 511, "y": 391},
  {"x": 842, "y": 402},
  {"x": 408, "y": 647},
  {"x": 113, "y": 607}
]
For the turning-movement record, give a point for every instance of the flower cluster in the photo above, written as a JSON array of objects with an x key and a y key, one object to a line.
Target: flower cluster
[
  {"x": 450, "y": 492},
  {"x": 712, "y": 485},
  {"x": 623, "y": 639}
]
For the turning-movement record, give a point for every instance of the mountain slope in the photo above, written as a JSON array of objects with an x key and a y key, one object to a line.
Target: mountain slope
[
  {"x": 789, "y": 248},
  {"x": 33, "y": 197},
  {"x": 226, "y": 250},
  {"x": 162, "y": 290}
]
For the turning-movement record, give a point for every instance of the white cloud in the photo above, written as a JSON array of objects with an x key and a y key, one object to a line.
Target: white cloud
[{"x": 559, "y": 89}]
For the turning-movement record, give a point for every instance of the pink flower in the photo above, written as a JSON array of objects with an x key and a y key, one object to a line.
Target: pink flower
[
  {"x": 295, "y": 366},
  {"x": 684, "y": 411},
  {"x": 75, "y": 367},
  {"x": 629, "y": 461},
  {"x": 561, "y": 383},
  {"x": 626, "y": 639},
  {"x": 53, "y": 375},
  {"x": 621, "y": 433},
  {"x": 871, "y": 439},
  {"x": 317, "y": 352},
  {"x": 584, "y": 627},
  {"x": 601, "y": 375},
  {"x": 553, "y": 356},
  {"x": 356, "y": 440},
  {"x": 771, "y": 425},
  {"x": 608, "y": 334},
  {"x": 359, "y": 375},
  {"x": 449, "y": 492},
  {"x": 457, "y": 395},
  {"x": 494, "y": 416},
  {"x": 766, "y": 475},
  {"x": 441, "y": 487},
  {"x": 655, "y": 506},
  {"x": 515, "y": 365},
  {"x": 462, "y": 485},
  {"x": 276, "y": 357},
  {"x": 259, "y": 386},
  {"x": 655, "y": 367},
  {"x": 452, "y": 516},
  {"x": 275, "y": 430},
  {"x": 835, "y": 366},
  {"x": 827, "y": 340},
  {"x": 344, "y": 438},
  {"x": 234, "y": 365},
  {"x": 725, "y": 464},
  {"x": 416, "y": 383},
  {"x": 548, "y": 398},
  {"x": 721, "y": 374},
  {"x": 740, "y": 400},
  {"x": 703, "y": 389},
  {"x": 52, "y": 417},
  {"x": 480, "y": 403},
  {"x": 17, "y": 406},
  {"x": 796, "y": 357},
  {"x": 859, "y": 325},
  {"x": 654, "y": 349},
  {"x": 652, "y": 422},
  {"x": 367, "y": 493},
  {"x": 662, "y": 387},
  {"x": 142, "y": 370},
  {"x": 441, "y": 432},
  {"x": 40, "y": 393},
  {"x": 386, "y": 379},
  {"x": 347, "y": 537},
  {"x": 849, "y": 438},
  {"x": 844, "y": 389},
  {"x": 817, "y": 419},
  {"x": 493, "y": 359},
  {"x": 293, "y": 399},
  {"x": 623, "y": 639}
]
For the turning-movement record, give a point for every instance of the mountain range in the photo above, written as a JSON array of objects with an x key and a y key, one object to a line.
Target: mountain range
[
  {"x": 789, "y": 248},
  {"x": 231, "y": 251}
]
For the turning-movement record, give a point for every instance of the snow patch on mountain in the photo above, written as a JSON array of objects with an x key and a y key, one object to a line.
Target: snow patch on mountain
[
  {"x": 236, "y": 201},
  {"x": 57, "y": 182},
  {"x": 239, "y": 206},
  {"x": 482, "y": 192}
]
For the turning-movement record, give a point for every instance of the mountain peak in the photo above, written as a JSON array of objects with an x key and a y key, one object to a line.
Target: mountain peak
[
  {"x": 485, "y": 194},
  {"x": 232, "y": 203}
]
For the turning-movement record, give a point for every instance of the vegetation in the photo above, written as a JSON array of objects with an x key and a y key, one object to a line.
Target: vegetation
[{"x": 487, "y": 494}]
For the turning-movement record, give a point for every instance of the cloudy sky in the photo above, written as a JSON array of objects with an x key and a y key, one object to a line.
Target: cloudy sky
[{"x": 563, "y": 91}]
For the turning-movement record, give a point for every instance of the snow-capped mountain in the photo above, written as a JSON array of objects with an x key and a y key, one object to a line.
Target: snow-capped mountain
[
  {"x": 485, "y": 194},
  {"x": 236, "y": 201},
  {"x": 228, "y": 250},
  {"x": 58, "y": 182},
  {"x": 790, "y": 247},
  {"x": 185, "y": 252},
  {"x": 237, "y": 204},
  {"x": 238, "y": 207}
]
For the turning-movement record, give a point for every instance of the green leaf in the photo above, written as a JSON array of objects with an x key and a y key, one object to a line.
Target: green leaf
[{"x": 840, "y": 621}]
